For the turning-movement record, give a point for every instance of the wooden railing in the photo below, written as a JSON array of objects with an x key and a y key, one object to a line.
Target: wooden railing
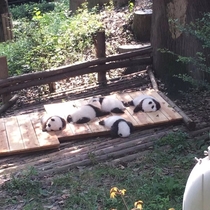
[
  {"x": 99, "y": 65},
  {"x": 134, "y": 58}
]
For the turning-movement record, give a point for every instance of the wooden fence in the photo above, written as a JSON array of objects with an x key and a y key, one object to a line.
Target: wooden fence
[{"x": 10, "y": 84}]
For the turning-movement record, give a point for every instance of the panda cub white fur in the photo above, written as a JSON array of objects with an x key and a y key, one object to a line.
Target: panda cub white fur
[
  {"x": 85, "y": 114},
  {"x": 52, "y": 123},
  {"x": 118, "y": 126},
  {"x": 109, "y": 104},
  {"x": 145, "y": 103}
]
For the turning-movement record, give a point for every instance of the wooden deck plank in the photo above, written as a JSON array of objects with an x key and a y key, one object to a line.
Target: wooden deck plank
[
  {"x": 46, "y": 139},
  {"x": 4, "y": 146},
  {"x": 157, "y": 116},
  {"x": 24, "y": 133},
  {"x": 62, "y": 110},
  {"x": 14, "y": 135},
  {"x": 29, "y": 137},
  {"x": 128, "y": 115},
  {"x": 86, "y": 127},
  {"x": 140, "y": 117},
  {"x": 143, "y": 117},
  {"x": 165, "y": 107}
]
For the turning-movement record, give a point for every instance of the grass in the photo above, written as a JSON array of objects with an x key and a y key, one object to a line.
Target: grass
[{"x": 157, "y": 178}]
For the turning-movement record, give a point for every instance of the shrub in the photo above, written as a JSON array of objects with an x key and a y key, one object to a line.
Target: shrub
[{"x": 50, "y": 39}]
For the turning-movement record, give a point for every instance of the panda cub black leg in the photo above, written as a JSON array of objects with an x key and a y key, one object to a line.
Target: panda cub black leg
[
  {"x": 83, "y": 120},
  {"x": 137, "y": 109},
  {"x": 117, "y": 111}
]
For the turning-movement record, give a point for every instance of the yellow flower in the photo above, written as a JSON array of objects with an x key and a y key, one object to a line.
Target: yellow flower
[
  {"x": 122, "y": 192},
  {"x": 138, "y": 205},
  {"x": 171, "y": 209},
  {"x": 115, "y": 191}
]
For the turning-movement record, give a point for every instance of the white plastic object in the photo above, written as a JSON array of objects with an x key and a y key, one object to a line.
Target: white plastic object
[{"x": 197, "y": 190}]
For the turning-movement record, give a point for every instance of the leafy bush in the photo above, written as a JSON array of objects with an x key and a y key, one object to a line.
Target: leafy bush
[
  {"x": 26, "y": 10},
  {"x": 50, "y": 39}
]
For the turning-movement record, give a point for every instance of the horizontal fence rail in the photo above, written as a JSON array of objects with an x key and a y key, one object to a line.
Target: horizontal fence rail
[{"x": 137, "y": 57}]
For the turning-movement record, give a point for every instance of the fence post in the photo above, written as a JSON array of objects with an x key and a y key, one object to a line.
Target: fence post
[
  {"x": 100, "y": 46},
  {"x": 3, "y": 75}
]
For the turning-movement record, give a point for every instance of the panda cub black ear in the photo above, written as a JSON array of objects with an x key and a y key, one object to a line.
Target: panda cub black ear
[
  {"x": 69, "y": 118},
  {"x": 157, "y": 104}
]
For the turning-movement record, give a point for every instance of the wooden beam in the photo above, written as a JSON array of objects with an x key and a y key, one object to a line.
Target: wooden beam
[
  {"x": 57, "y": 77},
  {"x": 100, "y": 47},
  {"x": 3, "y": 75},
  {"x": 75, "y": 67}
]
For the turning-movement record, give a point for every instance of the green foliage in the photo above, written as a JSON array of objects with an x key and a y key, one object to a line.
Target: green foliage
[
  {"x": 26, "y": 10},
  {"x": 51, "y": 39},
  {"x": 158, "y": 179},
  {"x": 25, "y": 184}
]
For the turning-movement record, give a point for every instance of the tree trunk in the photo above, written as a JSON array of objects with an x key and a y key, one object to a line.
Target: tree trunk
[
  {"x": 142, "y": 25},
  {"x": 5, "y": 22},
  {"x": 165, "y": 35}
]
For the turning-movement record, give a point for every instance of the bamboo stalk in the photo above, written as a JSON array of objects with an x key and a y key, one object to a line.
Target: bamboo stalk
[
  {"x": 152, "y": 78},
  {"x": 59, "y": 168},
  {"x": 9, "y": 104},
  {"x": 110, "y": 151}
]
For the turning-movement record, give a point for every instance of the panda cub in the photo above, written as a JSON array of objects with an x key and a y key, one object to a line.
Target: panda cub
[
  {"x": 86, "y": 113},
  {"x": 145, "y": 103},
  {"x": 52, "y": 123},
  {"x": 118, "y": 126},
  {"x": 109, "y": 104}
]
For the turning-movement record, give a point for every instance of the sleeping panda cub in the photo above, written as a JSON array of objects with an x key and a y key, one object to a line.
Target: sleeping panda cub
[
  {"x": 145, "y": 103},
  {"x": 52, "y": 123},
  {"x": 109, "y": 104},
  {"x": 85, "y": 114},
  {"x": 118, "y": 126}
]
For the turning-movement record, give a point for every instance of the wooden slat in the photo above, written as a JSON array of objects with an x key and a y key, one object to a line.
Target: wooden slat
[
  {"x": 143, "y": 117},
  {"x": 62, "y": 110},
  {"x": 14, "y": 135},
  {"x": 4, "y": 146},
  {"x": 29, "y": 137},
  {"x": 23, "y": 133},
  {"x": 82, "y": 128},
  {"x": 46, "y": 139},
  {"x": 165, "y": 107},
  {"x": 128, "y": 115}
]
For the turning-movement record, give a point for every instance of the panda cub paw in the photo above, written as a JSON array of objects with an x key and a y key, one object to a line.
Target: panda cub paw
[{"x": 102, "y": 122}]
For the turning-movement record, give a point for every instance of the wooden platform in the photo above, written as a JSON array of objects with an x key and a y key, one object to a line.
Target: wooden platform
[
  {"x": 140, "y": 120},
  {"x": 23, "y": 133}
]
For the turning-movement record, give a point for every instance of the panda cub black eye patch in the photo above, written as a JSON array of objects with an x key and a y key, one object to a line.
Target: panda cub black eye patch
[
  {"x": 153, "y": 107},
  {"x": 150, "y": 102},
  {"x": 49, "y": 125},
  {"x": 52, "y": 119}
]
